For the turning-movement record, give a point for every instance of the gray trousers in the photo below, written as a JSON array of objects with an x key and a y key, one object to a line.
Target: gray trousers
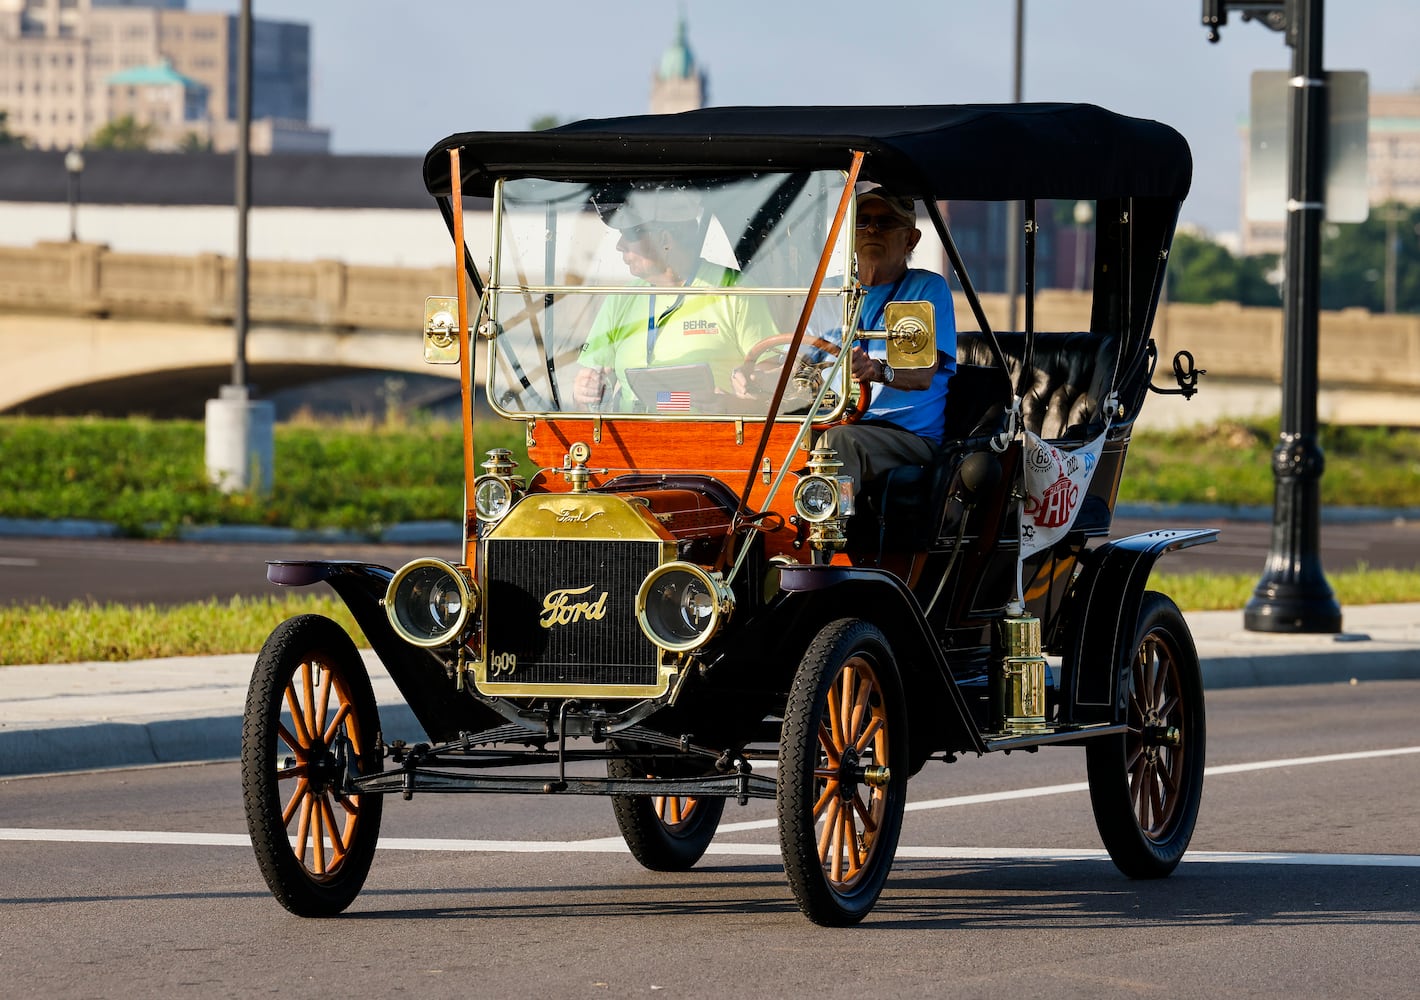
[{"x": 868, "y": 450}]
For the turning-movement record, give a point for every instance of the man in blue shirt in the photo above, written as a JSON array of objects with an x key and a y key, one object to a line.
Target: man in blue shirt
[{"x": 906, "y": 420}]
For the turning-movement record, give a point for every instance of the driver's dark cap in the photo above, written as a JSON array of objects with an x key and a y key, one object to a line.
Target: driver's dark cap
[
  {"x": 669, "y": 206},
  {"x": 901, "y": 206}
]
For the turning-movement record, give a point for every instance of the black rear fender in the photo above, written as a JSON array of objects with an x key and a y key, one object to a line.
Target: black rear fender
[
  {"x": 938, "y": 718},
  {"x": 1095, "y": 629}
]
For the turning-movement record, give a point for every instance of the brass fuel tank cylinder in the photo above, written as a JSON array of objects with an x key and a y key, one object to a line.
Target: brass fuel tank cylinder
[{"x": 1018, "y": 678}]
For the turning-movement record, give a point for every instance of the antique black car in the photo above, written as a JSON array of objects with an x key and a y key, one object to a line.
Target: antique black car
[{"x": 683, "y": 589}]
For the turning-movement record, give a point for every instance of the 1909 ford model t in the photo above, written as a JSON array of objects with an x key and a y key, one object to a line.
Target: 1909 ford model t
[{"x": 685, "y": 590}]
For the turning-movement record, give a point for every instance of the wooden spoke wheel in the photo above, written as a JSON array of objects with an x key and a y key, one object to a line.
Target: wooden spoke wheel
[
  {"x": 666, "y": 833},
  {"x": 842, "y": 773},
  {"x": 1145, "y": 786},
  {"x": 310, "y": 724},
  {"x": 858, "y": 404}
]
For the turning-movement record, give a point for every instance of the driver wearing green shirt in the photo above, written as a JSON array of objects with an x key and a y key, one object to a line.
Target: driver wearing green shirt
[{"x": 659, "y": 244}]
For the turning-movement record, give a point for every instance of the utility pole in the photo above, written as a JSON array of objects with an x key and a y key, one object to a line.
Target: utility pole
[{"x": 1293, "y": 595}]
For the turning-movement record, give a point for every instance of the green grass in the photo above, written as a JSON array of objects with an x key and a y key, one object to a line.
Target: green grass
[
  {"x": 1223, "y": 591},
  {"x": 1231, "y": 463},
  {"x": 86, "y": 631},
  {"x": 148, "y": 476}
]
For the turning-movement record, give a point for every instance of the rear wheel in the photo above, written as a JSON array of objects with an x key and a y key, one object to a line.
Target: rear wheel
[
  {"x": 666, "y": 833},
  {"x": 842, "y": 773},
  {"x": 1145, "y": 786},
  {"x": 310, "y": 722}
]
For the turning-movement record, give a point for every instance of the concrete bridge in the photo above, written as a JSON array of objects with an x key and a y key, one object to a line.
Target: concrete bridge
[{"x": 87, "y": 330}]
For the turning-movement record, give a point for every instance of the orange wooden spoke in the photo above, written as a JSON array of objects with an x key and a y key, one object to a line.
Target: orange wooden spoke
[
  {"x": 874, "y": 728},
  {"x": 830, "y": 791},
  {"x": 836, "y": 845},
  {"x": 347, "y": 835},
  {"x": 850, "y": 838},
  {"x": 298, "y": 718},
  {"x": 835, "y": 723},
  {"x": 309, "y": 703},
  {"x": 338, "y": 843},
  {"x": 303, "y": 828},
  {"x": 1135, "y": 754},
  {"x": 830, "y": 820},
  {"x": 318, "y": 723},
  {"x": 830, "y": 749},
  {"x": 350, "y": 803},
  {"x": 297, "y": 747},
  {"x": 318, "y": 841},
  {"x": 297, "y": 797},
  {"x": 340, "y": 716},
  {"x": 847, "y": 683},
  {"x": 295, "y": 771},
  {"x": 870, "y": 825}
]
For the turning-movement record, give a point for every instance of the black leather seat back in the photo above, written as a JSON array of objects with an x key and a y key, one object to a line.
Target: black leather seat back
[{"x": 1071, "y": 375}]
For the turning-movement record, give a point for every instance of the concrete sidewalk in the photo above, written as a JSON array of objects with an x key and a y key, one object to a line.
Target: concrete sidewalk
[{"x": 92, "y": 715}]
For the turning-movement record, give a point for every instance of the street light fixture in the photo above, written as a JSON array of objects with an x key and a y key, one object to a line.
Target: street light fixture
[
  {"x": 74, "y": 165},
  {"x": 1084, "y": 215}
]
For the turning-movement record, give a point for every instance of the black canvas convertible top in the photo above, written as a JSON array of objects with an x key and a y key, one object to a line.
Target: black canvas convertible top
[{"x": 976, "y": 152}]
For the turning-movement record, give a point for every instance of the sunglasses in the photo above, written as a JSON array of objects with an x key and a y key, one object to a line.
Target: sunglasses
[{"x": 882, "y": 223}]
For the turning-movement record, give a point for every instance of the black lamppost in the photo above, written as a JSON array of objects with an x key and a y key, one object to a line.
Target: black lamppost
[
  {"x": 74, "y": 166},
  {"x": 1293, "y": 595}
]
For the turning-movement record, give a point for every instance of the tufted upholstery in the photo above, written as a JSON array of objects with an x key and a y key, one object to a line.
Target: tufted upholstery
[{"x": 1072, "y": 376}]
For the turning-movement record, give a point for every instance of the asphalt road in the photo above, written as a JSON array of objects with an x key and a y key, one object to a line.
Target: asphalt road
[
  {"x": 1303, "y": 881},
  {"x": 123, "y": 570}
]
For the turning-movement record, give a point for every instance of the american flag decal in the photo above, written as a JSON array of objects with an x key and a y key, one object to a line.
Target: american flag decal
[{"x": 675, "y": 401}]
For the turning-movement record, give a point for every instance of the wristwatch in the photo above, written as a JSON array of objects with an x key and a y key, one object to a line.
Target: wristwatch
[{"x": 885, "y": 373}]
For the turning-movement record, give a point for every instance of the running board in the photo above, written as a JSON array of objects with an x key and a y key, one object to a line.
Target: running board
[{"x": 1060, "y": 734}]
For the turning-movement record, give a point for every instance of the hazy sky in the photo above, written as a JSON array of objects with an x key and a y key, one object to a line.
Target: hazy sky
[{"x": 396, "y": 77}]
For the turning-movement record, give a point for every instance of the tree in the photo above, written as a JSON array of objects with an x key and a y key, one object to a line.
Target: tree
[
  {"x": 1353, "y": 260},
  {"x": 8, "y": 138},
  {"x": 194, "y": 143},
  {"x": 543, "y": 122},
  {"x": 1203, "y": 271},
  {"x": 123, "y": 133}
]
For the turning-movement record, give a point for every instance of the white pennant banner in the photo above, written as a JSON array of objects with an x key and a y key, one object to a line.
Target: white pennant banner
[{"x": 1056, "y": 483}]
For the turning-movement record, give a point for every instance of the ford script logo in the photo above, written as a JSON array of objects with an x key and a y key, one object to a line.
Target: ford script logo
[
  {"x": 571, "y": 515},
  {"x": 558, "y": 607}
]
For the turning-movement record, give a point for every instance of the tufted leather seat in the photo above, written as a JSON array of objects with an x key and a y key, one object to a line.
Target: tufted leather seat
[
  {"x": 1072, "y": 373},
  {"x": 913, "y": 506}
]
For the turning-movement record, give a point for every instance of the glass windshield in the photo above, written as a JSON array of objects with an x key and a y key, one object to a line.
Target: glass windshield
[{"x": 664, "y": 296}]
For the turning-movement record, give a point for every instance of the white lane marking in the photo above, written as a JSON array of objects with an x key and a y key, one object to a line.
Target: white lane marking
[
  {"x": 17, "y": 561},
  {"x": 1081, "y": 786},
  {"x": 610, "y": 846},
  {"x": 615, "y": 845}
]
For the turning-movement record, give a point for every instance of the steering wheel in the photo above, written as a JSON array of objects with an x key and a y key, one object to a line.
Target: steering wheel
[{"x": 858, "y": 406}]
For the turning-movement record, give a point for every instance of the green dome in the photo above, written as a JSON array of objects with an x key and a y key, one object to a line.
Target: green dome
[{"x": 678, "y": 62}]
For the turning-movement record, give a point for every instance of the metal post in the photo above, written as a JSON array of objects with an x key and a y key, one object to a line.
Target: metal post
[
  {"x": 1013, "y": 208},
  {"x": 243, "y": 165},
  {"x": 1293, "y": 595},
  {"x": 74, "y": 166}
]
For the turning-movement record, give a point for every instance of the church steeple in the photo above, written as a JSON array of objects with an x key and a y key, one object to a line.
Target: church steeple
[{"x": 678, "y": 84}]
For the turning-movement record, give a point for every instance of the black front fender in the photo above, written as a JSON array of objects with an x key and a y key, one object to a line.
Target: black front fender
[
  {"x": 420, "y": 674},
  {"x": 1099, "y": 616}
]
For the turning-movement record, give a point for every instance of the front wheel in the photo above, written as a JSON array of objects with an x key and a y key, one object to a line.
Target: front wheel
[
  {"x": 666, "y": 833},
  {"x": 310, "y": 723},
  {"x": 842, "y": 773},
  {"x": 1145, "y": 785}
]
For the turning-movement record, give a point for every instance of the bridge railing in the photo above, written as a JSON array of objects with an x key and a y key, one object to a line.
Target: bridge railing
[{"x": 1358, "y": 350}]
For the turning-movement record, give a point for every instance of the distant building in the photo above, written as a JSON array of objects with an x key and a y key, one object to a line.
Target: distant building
[
  {"x": 679, "y": 84},
  {"x": 1392, "y": 168},
  {"x": 59, "y": 58}
]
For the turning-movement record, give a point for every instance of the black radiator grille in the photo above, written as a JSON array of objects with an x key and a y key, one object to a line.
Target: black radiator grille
[{"x": 564, "y": 611}]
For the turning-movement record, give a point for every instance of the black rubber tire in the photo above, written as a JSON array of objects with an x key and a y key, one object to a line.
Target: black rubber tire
[
  {"x": 1145, "y": 788},
  {"x": 665, "y": 834},
  {"x": 290, "y": 771},
  {"x": 837, "y": 874}
]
